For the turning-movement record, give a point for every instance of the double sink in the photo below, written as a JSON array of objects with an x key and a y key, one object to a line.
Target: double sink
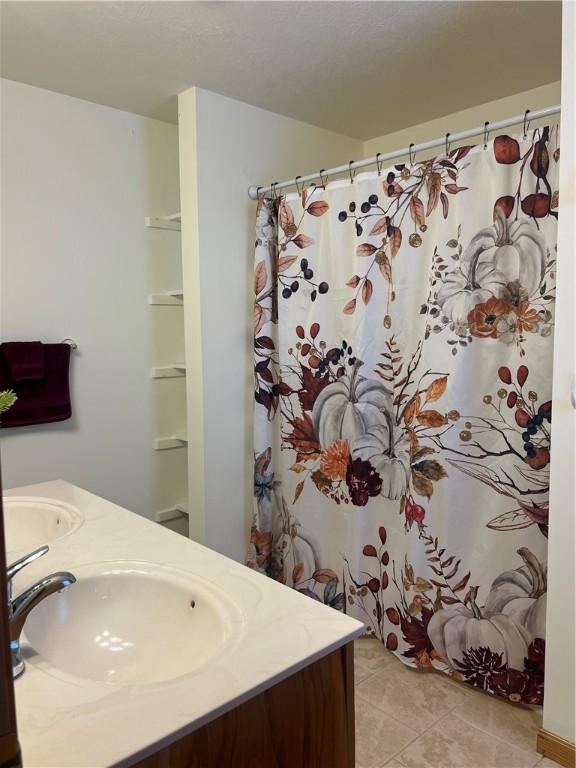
[{"x": 122, "y": 622}]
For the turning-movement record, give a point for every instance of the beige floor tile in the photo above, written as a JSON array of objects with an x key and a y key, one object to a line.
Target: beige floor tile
[
  {"x": 370, "y": 654},
  {"x": 378, "y": 736},
  {"x": 361, "y": 672},
  {"x": 516, "y": 725},
  {"x": 546, "y": 763},
  {"x": 414, "y": 698},
  {"x": 454, "y": 743}
]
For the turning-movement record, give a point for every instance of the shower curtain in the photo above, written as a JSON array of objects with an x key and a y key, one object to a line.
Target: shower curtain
[{"x": 403, "y": 331}]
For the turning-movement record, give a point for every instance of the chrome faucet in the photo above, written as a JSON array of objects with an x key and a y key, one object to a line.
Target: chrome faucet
[{"x": 20, "y": 607}]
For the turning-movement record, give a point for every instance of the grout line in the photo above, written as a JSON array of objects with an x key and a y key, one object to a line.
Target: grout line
[
  {"x": 499, "y": 738},
  {"x": 491, "y": 735},
  {"x": 420, "y": 735},
  {"x": 450, "y": 712},
  {"x": 478, "y": 693}
]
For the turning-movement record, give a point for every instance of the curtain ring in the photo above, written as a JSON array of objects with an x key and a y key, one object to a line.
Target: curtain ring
[
  {"x": 526, "y": 122},
  {"x": 486, "y": 133},
  {"x": 297, "y": 187},
  {"x": 351, "y": 174},
  {"x": 378, "y": 163},
  {"x": 411, "y": 154},
  {"x": 447, "y": 144},
  {"x": 323, "y": 180}
]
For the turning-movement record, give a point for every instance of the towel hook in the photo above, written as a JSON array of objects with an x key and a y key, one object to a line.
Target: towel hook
[{"x": 71, "y": 343}]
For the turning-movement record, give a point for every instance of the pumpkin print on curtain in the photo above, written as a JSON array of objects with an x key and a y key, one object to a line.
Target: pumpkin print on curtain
[{"x": 403, "y": 362}]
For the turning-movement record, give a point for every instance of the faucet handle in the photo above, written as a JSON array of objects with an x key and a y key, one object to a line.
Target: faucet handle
[{"x": 17, "y": 565}]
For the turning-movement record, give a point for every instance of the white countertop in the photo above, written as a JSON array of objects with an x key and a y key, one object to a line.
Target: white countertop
[{"x": 66, "y": 722}]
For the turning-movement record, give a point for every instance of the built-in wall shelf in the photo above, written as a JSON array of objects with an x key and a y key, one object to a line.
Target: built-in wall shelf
[
  {"x": 177, "y": 440},
  {"x": 171, "y": 221},
  {"x": 172, "y": 298},
  {"x": 169, "y": 371},
  {"x": 180, "y": 509}
]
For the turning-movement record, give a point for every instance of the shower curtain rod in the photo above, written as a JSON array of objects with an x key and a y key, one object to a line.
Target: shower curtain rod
[{"x": 254, "y": 192}]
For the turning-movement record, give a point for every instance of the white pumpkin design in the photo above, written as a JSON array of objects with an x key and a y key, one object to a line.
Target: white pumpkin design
[
  {"x": 462, "y": 291},
  {"x": 503, "y": 254},
  {"x": 387, "y": 448},
  {"x": 521, "y": 594},
  {"x": 349, "y": 407},
  {"x": 514, "y": 251},
  {"x": 513, "y": 615},
  {"x": 293, "y": 544},
  {"x": 456, "y": 629}
]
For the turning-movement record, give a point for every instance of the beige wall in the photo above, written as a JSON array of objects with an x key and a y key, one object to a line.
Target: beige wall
[
  {"x": 225, "y": 146},
  {"x": 537, "y": 98}
]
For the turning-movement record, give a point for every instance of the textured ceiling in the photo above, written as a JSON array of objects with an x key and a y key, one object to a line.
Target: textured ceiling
[{"x": 359, "y": 68}]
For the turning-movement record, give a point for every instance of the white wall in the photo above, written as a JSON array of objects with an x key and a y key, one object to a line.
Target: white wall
[
  {"x": 559, "y": 711},
  {"x": 77, "y": 181},
  {"x": 225, "y": 146}
]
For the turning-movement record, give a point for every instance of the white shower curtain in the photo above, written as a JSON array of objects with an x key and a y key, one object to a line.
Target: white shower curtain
[{"x": 403, "y": 361}]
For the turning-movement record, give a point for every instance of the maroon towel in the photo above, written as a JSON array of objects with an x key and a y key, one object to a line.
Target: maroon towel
[
  {"x": 25, "y": 359},
  {"x": 40, "y": 401}
]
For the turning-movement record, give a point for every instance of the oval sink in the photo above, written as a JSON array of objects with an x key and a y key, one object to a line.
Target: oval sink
[
  {"x": 30, "y": 522},
  {"x": 133, "y": 623}
]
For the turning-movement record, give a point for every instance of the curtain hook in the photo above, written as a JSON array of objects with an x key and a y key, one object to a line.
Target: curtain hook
[
  {"x": 258, "y": 193},
  {"x": 273, "y": 190},
  {"x": 411, "y": 154},
  {"x": 378, "y": 163},
  {"x": 486, "y": 133},
  {"x": 526, "y": 123},
  {"x": 323, "y": 180},
  {"x": 351, "y": 174},
  {"x": 297, "y": 187},
  {"x": 447, "y": 143}
]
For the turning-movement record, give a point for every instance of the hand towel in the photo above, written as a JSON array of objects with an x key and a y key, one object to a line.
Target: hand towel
[
  {"x": 25, "y": 359},
  {"x": 40, "y": 401}
]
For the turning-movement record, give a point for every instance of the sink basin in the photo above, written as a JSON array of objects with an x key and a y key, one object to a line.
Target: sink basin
[
  {"x": 30, "y": 522},
  {"x": 131, "y": 623}
]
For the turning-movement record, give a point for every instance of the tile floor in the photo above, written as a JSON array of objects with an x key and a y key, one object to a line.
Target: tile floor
[{"x": 409, "y": 719}]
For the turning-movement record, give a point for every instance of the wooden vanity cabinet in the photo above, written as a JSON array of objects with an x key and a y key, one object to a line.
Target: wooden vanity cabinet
[{"x": 304, "y": 721}]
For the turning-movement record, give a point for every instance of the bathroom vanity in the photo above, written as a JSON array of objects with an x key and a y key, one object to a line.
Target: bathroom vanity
[{"x": 165, "y": 654}]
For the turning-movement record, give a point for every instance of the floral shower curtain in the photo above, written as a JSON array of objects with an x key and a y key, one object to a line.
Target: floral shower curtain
[{"x": 403, "y": 363}]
